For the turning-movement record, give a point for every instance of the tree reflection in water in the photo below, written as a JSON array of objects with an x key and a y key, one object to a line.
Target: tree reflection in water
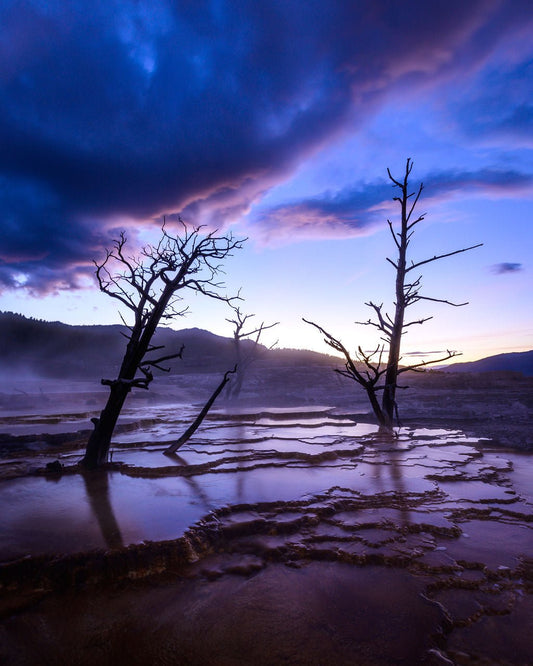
[
  {"x": 390, "y": 459},
  {"x": 97, "y": 488},
  {"x": 193, "y": 484}
]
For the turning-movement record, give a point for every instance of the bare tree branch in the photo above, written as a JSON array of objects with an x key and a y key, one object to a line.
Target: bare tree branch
[
  {"x": 441, "y": 256},
  {"x": 441, "y": 300},
  {"x": 155, "y": 363},
  {"x": 423, "y": 364}
]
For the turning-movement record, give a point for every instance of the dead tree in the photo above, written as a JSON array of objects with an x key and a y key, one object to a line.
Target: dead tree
[
  {"x": 368, "y": 368},
  {"x": 171, "y": 450},
  {"x": 242, "y": 362},
  {"x": 151, "y": 287},
  {"x": 244, "y": 359}
]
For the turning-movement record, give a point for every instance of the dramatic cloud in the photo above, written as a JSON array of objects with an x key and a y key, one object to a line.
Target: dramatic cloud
[
  {"x": 484, "y": 181},
  {"x": 350, "y": 212},
  {"x": 357, "y": 210},
  {"x": 41, "y": 248},
  {"x": 506, "y": 267},
  {"x": 135, "y": 109}
]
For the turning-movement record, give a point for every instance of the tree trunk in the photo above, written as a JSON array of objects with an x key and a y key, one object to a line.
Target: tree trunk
[
  {"x": 201, "y": 416},
  {"x": 391, "y": 376},
  {"x": 97, "y": 451},
  {"x": 374, "y": 402},
  {"x": 236, "y": 386}
]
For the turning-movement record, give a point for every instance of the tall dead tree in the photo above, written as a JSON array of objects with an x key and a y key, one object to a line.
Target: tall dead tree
[
  {"x": 368, "y": 368},
  {"x": 151, "y": 287}
]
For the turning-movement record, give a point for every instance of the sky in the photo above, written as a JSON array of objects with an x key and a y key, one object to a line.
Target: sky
[{"x": 276, "y": 121}]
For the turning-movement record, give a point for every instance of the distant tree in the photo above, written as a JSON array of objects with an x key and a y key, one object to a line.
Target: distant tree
[
  {"x": 367, "y": 368},
  {"x": 151, "y": 286},
  {"x": 244, "y": 357},
  {"x": 242, "y": 362}
]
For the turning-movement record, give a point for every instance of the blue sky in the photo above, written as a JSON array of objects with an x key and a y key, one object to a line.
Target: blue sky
[{"x": 276, "y": 120}]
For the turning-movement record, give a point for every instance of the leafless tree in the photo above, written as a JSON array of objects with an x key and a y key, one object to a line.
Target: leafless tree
[
  {"x": 368, "y": 368},
  {"x": 242, "y": 362},
  {"x": 151, "y": 287},
  {"x": 244, "y": 358},
  {"x": 171, "y": 450}
]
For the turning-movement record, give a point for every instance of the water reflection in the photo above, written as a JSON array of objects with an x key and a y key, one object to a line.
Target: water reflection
[
  {"x": 192, "y": 483},
  {"x": 389, "y": 472},
  {"x": 260, "y": 458},
  {"x": 240, "y": 478},
  {"x": 97, "y": 488}
]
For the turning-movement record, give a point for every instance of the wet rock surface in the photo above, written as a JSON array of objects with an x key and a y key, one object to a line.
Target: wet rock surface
[{"x": 275, "y": 536}]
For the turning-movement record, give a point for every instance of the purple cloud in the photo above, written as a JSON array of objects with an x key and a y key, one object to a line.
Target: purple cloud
[
  {"x": 443, "y": 185},
  {"x": 357, "y": 210},
  {"x": 350, "y": 212},
  {"x": 136, "y": 109}
]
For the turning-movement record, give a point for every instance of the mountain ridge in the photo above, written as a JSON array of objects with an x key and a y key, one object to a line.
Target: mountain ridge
[
  {"x": 509, "y": 362},
  {"x": 56, "y": 349}
]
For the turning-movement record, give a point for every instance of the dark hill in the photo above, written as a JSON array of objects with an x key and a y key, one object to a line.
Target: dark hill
[
  {"x": 516, "y": 362},
  {"x": 55, "y": 350},
  {"x": 33, "y": 347}
]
